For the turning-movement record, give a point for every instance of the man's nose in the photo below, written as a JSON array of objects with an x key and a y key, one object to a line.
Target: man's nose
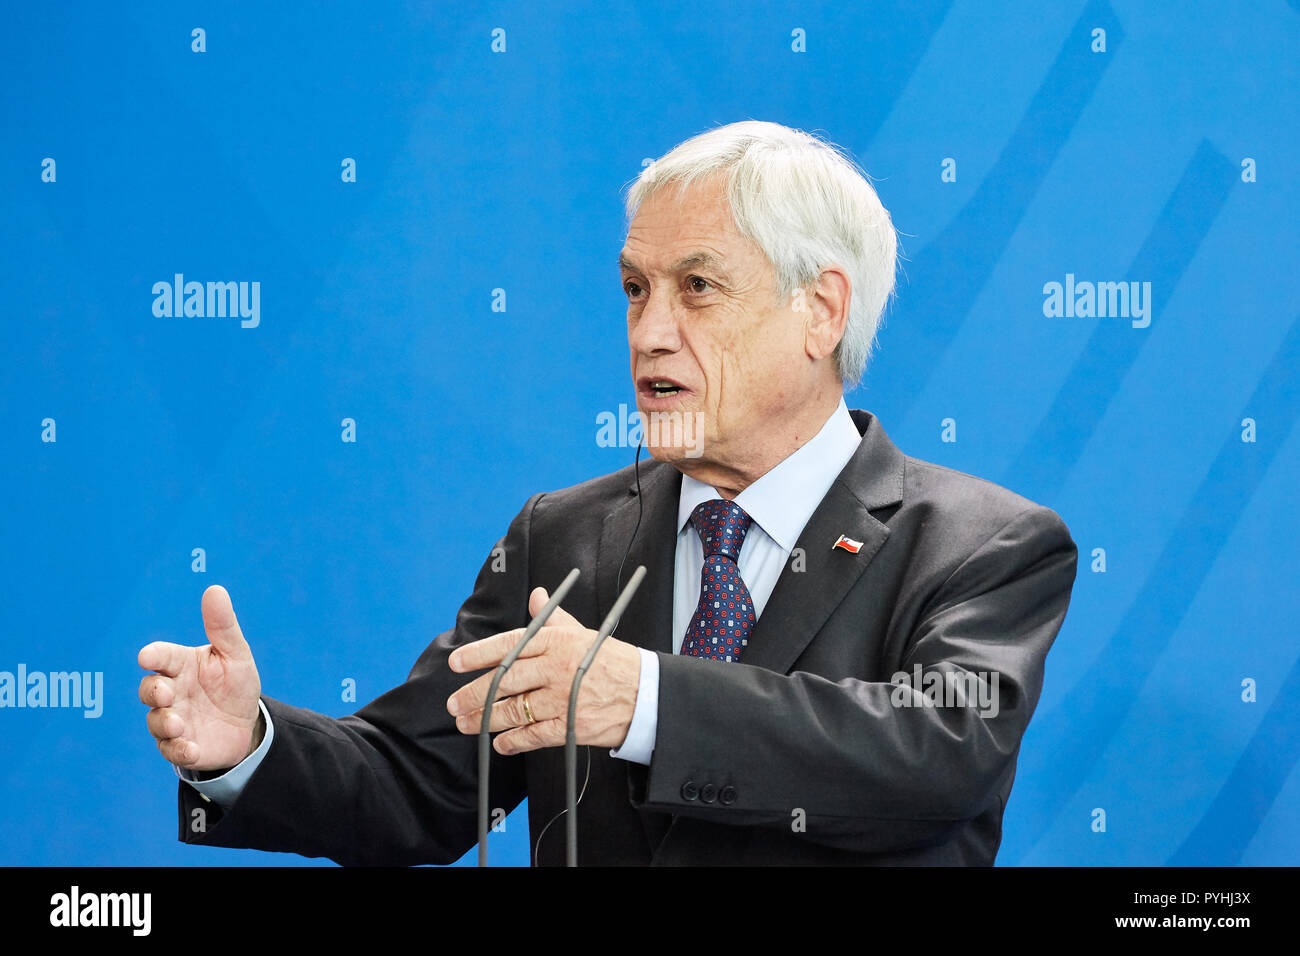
[{"x": 655, "y": 328}]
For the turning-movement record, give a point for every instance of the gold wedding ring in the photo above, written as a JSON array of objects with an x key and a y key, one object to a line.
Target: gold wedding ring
[{"x": 528, "y": 711}]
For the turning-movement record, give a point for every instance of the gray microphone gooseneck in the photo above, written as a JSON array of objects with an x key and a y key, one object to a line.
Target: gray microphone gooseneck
[
  {"x": 571, "y": 736},
  {"x": 484, "y": 737}
]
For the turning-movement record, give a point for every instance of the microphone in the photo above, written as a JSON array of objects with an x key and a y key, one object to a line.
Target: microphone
[
  {"x": 484, "y": 737},
  {"x": 640, "y": 509},
  {"x": 571, "y": 736}
]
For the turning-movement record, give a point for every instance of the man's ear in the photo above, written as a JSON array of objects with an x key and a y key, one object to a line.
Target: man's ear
[{"x": 825, "y": 305}]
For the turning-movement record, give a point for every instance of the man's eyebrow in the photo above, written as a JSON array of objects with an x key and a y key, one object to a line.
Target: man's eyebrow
[{"x": 693, "y": 260}]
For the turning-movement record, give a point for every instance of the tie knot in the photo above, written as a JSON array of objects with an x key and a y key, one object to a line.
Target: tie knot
[{"x": 721, "y": 526}]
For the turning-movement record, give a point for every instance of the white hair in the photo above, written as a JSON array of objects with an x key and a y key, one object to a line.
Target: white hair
[{"x": 806, "y": 204}]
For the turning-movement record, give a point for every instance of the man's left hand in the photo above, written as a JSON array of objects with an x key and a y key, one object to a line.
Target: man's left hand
[{"x": 544, "y": 675}]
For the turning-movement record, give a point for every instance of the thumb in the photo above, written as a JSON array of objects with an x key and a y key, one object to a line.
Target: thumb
[
  {"x": 559, "y": 617},
  {"x": 221, "y": 625}
]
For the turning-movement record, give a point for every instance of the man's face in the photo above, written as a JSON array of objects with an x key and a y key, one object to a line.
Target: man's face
[{"x": 704, "y": 318}]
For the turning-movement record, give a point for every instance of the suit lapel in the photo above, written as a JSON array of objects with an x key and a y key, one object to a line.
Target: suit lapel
[
  {"x": 648, "y": 620},
  {"x": 818, "y": 576}
]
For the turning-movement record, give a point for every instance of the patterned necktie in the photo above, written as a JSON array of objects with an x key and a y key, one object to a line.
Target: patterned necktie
[{"x": 724, "y": 618}]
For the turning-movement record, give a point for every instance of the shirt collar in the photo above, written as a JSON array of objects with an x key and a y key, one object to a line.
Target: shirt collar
[{"x": 782, "y": 500}]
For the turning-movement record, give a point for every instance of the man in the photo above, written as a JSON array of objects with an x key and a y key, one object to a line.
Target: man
[{"x": 835, "y": 653}]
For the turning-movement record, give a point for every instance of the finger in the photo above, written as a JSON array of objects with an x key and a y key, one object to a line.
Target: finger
[
  {"x": 509, "y": 713},
  {"x": 492, "y": 650},
  {"x": 183, "y": 753},
  {"x": 221, "y": 626},
  {"x": 544, "y": 733},
  {"x": 169, "y": 659},
  {"x": 157, "y": 691},
  {"x": 164, "y": 723},
  {"x": 559, "y": 617},
  {"x": 485, "y": 653},
  {"x": 529, "y": 673}
]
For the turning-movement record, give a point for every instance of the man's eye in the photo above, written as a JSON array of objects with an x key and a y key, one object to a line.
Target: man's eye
[
  {"x": 632, "y": 289},
  {"x": 702, "y": 282}
]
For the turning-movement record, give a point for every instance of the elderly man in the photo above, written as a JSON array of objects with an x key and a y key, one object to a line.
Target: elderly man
[{"x": 835, "y": 653}]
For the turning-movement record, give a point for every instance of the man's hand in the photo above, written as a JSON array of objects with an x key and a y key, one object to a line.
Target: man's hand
[
  {"x": 203, "y": 700},
  {"x": 544, "y": 672}
]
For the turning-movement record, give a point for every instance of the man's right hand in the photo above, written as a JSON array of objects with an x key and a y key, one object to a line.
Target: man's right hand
[{"x": 203, "y": 700}]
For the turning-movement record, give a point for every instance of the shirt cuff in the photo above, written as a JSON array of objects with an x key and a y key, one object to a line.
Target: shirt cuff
[
  {"x": 639, "y": 745},
  {"x": 225, "y": 790}
]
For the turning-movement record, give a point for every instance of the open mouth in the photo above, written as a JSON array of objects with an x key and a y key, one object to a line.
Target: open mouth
[{"x": 656, "y": 386}]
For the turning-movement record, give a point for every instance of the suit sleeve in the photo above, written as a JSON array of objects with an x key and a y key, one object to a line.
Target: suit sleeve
[
  {"x": 395, "y": 783},
  {"x": 863, "y": 765}
]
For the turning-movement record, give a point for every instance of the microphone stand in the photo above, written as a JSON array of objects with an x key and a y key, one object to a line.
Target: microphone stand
[
  {"x": 484, "y": 738},
  {"x": 571, "y": 737}
]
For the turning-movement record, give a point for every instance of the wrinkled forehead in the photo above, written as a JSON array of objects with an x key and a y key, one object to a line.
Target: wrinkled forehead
[{"x": 691, "y": 229}]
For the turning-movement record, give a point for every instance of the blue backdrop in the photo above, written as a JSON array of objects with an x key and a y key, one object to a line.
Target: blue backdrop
[{"x": 428, "y": 200}]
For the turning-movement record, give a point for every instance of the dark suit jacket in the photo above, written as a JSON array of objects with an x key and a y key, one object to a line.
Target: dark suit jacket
[{"x": 797, "y": 755}]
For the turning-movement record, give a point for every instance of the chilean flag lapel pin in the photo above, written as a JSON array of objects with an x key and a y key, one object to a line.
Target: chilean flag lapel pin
[{"x": 848, "y": 544}]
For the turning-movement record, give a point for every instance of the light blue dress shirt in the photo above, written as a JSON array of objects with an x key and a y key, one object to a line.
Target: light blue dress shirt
[{"x": 780, "y": 504}]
